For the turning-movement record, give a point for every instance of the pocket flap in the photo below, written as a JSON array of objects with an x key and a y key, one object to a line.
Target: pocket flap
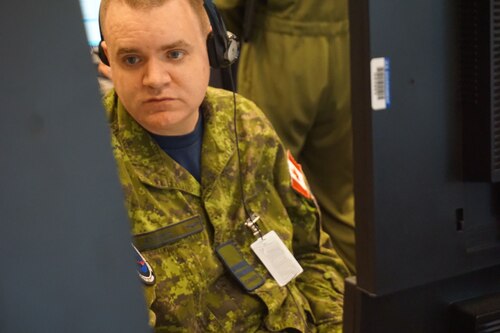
[{"x": 169, "y": 234}]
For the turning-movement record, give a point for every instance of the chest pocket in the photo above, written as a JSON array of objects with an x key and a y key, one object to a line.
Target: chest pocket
[{"x": 169, "y": 234}]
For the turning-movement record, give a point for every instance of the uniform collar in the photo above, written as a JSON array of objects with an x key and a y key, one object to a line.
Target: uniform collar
[
  {"x": 150, "y": 163},
  {"x": 155, "y": 168},
  {"x": 218, "y": 141}
]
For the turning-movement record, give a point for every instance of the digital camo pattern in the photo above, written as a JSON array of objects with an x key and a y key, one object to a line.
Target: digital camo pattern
[{"x": 193, "y": 292}]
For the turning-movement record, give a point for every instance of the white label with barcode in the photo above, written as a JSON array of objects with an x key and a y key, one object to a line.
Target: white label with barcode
[
  {"x": 380, "y": 71},
  {"x": 278, "y": 260}
]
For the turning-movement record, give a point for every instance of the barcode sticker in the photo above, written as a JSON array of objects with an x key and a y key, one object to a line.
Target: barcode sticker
[{"x": 380, "y": 83}]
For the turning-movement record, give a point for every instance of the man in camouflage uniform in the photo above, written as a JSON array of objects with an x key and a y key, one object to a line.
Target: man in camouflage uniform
[
  {"x": 296, "y": 68},
  {"x": 189, "y": 227}
]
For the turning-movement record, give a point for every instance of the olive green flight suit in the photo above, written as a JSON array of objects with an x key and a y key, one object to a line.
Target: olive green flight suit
[
  {"x": 178, "y": 222},
  {"x": 295, "y": 67}
]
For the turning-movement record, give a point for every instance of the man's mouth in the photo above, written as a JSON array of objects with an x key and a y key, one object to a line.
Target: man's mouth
[{"x": 159, "y": 99}]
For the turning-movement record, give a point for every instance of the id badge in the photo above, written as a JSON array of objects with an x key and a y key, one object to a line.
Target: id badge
[{"x": 278, "y": 260}]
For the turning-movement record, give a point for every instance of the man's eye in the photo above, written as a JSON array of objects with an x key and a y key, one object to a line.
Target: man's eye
[
  {"x": 176, "y": 54},
  {"x": 131, "y": 60}
]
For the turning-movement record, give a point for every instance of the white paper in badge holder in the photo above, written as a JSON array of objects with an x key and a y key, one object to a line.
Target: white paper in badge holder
[{"x": 278, "y": 260}]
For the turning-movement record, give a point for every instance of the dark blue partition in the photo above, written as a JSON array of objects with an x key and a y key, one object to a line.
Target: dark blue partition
[{"x": 65, "y": 243}]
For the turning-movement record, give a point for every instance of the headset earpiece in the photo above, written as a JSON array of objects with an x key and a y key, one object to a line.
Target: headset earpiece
[
  {"x": 219, "y": 55},
  {"x": 222, "y": 45},
  {"x": 212, "y": 51}
]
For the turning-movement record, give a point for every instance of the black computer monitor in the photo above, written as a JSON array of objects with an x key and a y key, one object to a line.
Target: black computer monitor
[{"x": 427, "y": 198}]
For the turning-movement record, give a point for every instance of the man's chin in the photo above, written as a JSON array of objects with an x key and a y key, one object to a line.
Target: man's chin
[{"x": 162, "y": 125}]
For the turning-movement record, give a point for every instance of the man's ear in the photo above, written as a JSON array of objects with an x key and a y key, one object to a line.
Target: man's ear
[{"x": 105, "y": 47}]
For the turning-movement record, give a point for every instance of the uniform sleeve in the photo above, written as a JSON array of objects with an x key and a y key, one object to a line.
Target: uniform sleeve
[{"x": 322, "y": 281}]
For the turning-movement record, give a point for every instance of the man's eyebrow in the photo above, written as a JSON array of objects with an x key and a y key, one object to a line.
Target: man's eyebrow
[
  {"x": 176, "y": 44},
  {"x": 127, "y": 50},
  {"x": 173, "y": 45}
]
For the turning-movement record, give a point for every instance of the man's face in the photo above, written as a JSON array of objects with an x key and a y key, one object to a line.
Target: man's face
[{"x": 160, "y": 64}]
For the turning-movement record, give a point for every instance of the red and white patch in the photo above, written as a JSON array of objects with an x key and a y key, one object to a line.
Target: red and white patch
[{"x": 298, "y": 179}]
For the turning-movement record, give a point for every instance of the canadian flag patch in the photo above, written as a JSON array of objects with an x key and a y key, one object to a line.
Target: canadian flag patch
[{"x": 298, "y": 179}]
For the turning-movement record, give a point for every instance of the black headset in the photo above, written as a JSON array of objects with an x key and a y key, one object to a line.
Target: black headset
[{"x": 222, "y": 45}]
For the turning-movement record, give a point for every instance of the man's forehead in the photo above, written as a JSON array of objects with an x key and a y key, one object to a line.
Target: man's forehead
[
  {"x": 118, "y": 13},
  {"x": 125, "y": 20},
  {"x": 121, "y": 12},
  {"x": 133, "y": 4}
]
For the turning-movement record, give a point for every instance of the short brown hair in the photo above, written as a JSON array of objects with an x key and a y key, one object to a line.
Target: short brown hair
[{"x": 197, "y": 6}]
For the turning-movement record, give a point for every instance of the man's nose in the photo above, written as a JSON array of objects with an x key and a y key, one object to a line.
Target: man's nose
[{"x": 156, "y": 74}]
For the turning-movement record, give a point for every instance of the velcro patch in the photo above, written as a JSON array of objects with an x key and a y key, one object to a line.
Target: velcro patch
[
  {"x": 298, "y": 179},
  {"x": 234, "y": 261},
  {"x": 169, "y": 234}
]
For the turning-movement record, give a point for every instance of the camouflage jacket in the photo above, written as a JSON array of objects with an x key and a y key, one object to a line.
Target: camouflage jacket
[{"x": 177, "y": 223}]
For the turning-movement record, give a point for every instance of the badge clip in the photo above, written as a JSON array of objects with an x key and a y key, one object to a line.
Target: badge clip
[{"x": 251, "y": 223}]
